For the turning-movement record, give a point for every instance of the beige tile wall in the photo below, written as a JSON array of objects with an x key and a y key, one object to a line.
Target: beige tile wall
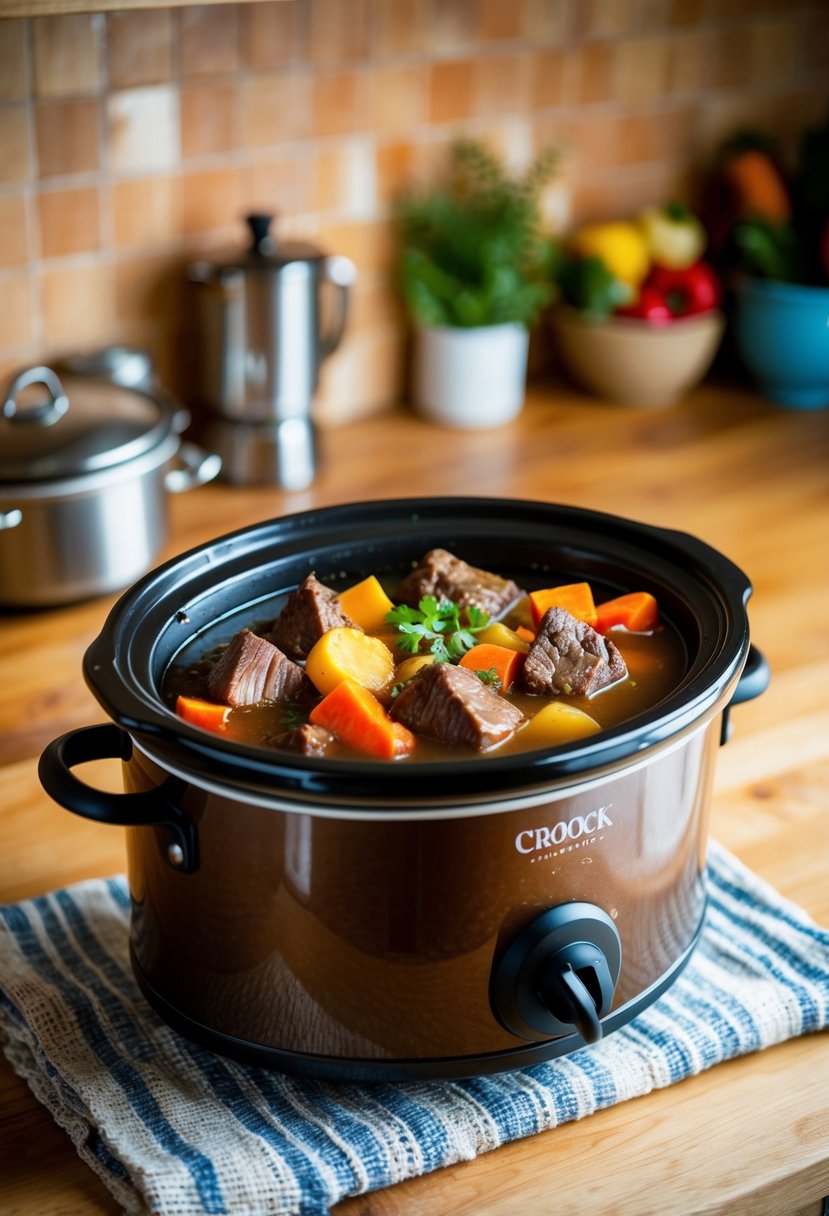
[{"x": 131, "y": 141}]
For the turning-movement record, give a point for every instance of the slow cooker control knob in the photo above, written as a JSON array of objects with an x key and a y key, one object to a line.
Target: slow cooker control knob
[
  {"x": 558, "y": 974},
  {"x": 576, "y": 987}
]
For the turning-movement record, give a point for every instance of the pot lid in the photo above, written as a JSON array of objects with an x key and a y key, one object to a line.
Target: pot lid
[
  {"x": 265, "y": 252},
  {"x": 58, "y": 427}
]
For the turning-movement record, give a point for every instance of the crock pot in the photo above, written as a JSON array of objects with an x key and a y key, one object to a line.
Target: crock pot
[
  {"x": 350, "y": 919},
  {"x": 86, "y": 464}
]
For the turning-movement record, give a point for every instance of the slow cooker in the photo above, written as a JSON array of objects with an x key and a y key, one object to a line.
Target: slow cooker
[{"x": 381, "y": 920}]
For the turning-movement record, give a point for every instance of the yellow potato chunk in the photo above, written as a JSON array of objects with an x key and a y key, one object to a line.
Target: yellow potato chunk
[
  {"x": 346, "y": 653},
  {"x": 410, "y": 667},
  {"x": 499, "y": 634},
  {"x": 557, "y": 723},
  {"x": 367, "y": 604}
]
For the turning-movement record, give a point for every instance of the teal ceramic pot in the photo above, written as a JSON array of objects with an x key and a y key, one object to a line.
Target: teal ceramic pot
[{"x": 781, "y": 332}]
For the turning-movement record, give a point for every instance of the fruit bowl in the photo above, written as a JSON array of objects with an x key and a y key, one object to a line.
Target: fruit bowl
[
  {"x": 781, "y": 331},
  {"x": 636, "y": 362}
]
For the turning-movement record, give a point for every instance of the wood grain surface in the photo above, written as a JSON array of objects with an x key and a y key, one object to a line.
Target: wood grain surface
[{"x": 748, "y": 1137}]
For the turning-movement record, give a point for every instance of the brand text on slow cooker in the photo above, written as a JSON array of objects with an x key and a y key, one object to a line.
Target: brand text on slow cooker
[{"x": 532, "y": 839}]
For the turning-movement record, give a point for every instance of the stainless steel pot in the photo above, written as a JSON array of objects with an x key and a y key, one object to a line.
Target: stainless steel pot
[
  {"x": 267, "y": 318},
  {"x": 86, "y": 464},
  {"x": 385, "y": 920}
]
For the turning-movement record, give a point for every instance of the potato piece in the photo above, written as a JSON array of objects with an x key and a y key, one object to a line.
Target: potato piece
[
  {"x": 367, "y": 604},
  {"x": 557, "y": 723},
  {"x": 410, "y": 667},
  {"x": 346, "y": 653},
  {"x": 499, "y": 634}
]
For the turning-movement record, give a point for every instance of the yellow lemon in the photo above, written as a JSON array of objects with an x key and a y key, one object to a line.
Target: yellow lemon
[{"x": 619, "y": 244}]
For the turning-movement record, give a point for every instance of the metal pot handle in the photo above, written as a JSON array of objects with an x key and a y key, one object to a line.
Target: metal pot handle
[
  {"x": 198, "y": 467},
  {"x": 342, "y": 274},
  {"x": 753, "y": 681},
  {"x": 158, "y": 808},
  {"x": 44, "y": 413}
]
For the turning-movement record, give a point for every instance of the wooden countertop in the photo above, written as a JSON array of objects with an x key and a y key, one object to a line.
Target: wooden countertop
[{"x": 750, "y": 1136}]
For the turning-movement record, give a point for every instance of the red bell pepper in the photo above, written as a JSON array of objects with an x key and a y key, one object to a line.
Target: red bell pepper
[
  {"x": 687, "y": 292},
  {"x": 651, "y": 306}
]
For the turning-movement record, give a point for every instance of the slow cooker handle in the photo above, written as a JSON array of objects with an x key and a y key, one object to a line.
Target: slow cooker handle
[
  {"x": 753, "y": 681},
  {"x": 158, "y": 809}
]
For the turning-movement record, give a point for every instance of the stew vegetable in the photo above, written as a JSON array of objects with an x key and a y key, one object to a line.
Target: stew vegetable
[{"x": 453, "y": 662}]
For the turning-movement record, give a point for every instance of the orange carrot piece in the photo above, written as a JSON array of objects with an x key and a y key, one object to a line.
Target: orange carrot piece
[
  {"x": 637, "y": 611},
  {"x": 525, "y": 633},
  {"x": 758, "y": 186},
  {"x": 356, "y": 716},
  {"x": 206, "y": 714},
  {"x": 488, "y": 657},
  {"x": 576, "y": 598}
]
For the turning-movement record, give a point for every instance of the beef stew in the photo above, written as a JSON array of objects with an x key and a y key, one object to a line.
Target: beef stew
[{"x": 448, "y": 662}]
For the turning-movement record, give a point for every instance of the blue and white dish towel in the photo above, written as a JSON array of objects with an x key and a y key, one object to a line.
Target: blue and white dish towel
[{"x": 173, "y": 1129}]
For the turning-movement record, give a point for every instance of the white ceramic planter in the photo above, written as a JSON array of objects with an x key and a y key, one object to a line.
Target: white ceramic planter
[{"x": 470, "y": 378}]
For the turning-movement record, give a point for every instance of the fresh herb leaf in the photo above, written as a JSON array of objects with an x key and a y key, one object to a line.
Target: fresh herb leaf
[
  {"x": 292, "y": 717},
  {"x": 436, "y": 626},
  {"x": 476, "y": 617},
  {"x": 490, "y": 676}
]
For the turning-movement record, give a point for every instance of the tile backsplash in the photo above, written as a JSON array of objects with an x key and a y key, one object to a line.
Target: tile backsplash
[{"x": 134, "y": 141}]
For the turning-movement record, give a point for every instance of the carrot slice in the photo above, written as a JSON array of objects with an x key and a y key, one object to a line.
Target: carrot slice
[
  {"x": 501, "y": 659},
  {"x": 206, "y": 714},
  {"x": 357, "y": 717},
  {"x": 637, "y": 611},
  {"x": 576, "y": 598},
  {"x": 525, "y": 633}
]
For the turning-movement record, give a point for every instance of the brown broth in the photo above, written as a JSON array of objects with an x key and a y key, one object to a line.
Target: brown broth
[{"x": 656, "y": 662}]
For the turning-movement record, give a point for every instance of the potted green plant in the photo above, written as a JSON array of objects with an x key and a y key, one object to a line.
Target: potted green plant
[{"x": 474, "y": 274}]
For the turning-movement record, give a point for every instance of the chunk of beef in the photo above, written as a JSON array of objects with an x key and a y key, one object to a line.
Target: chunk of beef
[
  {"x": 451, "y": 704},
  {"x": 307, "y": 740},
  {"x": 569, "y": 656},
  {"x": 309, "y": 612},
  {"x": 252, "y": 669},
  {"x": 449, "y": 578}
]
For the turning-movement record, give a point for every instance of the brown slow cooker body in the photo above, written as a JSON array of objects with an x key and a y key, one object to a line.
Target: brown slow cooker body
[
  {"x": 350, "y": 939},
  {"x": 385, "y": 921}
]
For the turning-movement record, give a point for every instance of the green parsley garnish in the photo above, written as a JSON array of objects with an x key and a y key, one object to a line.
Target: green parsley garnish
[
  {"x": 490, "y": 676},
  {"x": 436, "y": 626},
  {"x": 292, "y": 717}
]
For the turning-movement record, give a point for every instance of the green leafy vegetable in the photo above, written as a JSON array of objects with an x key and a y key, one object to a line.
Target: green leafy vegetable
[
  {"x": 436, "y": 625},
  {"x": 772, "y": 251},
  {"x": 588, "y": 285},
  {"x": 292, "y": 717}
]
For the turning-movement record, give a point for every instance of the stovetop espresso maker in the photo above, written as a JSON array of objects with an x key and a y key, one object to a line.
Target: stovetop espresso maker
[{"x": 268, "y": 316}]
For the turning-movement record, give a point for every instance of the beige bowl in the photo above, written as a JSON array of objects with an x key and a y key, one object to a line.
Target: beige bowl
[{"x": 635, "y": 362}]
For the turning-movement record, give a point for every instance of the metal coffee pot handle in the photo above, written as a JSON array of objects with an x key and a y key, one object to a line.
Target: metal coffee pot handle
[{"x": 341, "y": 273}]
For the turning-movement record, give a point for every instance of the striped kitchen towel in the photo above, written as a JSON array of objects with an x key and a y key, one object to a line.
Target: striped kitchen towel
[{"x": 172, "y": 1128}]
